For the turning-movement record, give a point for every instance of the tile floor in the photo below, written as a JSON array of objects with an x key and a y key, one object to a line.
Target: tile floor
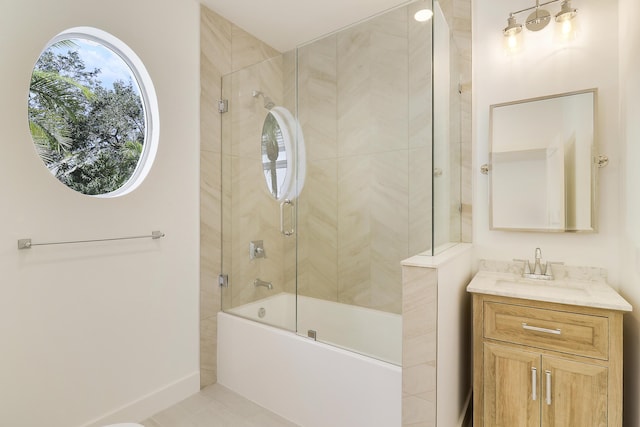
[{"x": 216, "y": 406}]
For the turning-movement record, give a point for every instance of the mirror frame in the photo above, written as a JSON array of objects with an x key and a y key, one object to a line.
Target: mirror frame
[{"x": 593, "y": 166}]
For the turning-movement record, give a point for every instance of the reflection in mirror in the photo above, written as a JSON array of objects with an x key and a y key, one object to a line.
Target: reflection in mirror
[{"x": 542, "y": 171}]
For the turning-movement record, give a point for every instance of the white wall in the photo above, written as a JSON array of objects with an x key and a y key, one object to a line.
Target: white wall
[
  {"x": 543, "y": 68},
  {"x": 96, "y": 328},
  {"x": 630, "y": 208}
]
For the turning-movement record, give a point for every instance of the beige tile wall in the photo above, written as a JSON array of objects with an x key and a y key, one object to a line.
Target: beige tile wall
[
  {"x": 419, "y": 349},
  {"x": 224, "y": 48},
  {"x": 366, "y": 124}
]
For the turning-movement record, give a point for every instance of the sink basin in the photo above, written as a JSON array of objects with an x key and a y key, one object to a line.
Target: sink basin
[{"x": 555, "y": 286}]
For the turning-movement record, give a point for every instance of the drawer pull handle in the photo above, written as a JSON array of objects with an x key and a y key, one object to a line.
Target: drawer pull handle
[
  {"x": 548, "y": 375},
  {"x": 534, "y": 384},
  {"x": 538, "y": 329}
]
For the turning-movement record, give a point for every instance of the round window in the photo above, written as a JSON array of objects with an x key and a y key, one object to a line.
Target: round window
[
  {"x": 93, "y": 113},
  {"x": 283, "y": 154}
]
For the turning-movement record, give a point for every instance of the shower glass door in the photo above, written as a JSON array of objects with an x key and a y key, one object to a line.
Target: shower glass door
[
  {"x": 258, "y": 196},
  {"x": 340, "y": 159}
]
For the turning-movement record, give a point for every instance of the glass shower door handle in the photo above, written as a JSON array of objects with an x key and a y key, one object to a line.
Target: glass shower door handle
[{"x": 290, "y": 231}]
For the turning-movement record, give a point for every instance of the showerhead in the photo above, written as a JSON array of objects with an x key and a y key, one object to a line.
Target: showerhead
[{"x": 268, "y": 102}]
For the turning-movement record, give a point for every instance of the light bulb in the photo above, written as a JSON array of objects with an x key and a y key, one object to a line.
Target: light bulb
[
  {"x": 512, "y": 36},
  {"x": 423, "y": 15},
  {"x": 566, "y": 25}
]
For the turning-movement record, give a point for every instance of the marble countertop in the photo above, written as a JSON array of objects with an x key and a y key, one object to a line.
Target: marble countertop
[{"x": 594, "y": 292}]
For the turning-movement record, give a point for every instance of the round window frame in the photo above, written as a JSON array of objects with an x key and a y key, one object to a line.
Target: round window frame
[
  {"x": 296, "y": 157},
  {"x": 148, "y": 96}
]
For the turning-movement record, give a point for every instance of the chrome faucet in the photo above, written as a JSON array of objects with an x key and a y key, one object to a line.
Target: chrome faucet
[
  {"x": 537, "y": 268},
  {"x": 259, "y": 282},
  {"x": 539, "y": 272}
]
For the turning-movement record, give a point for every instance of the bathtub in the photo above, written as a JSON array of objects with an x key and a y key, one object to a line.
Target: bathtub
[
  {"x": 369, "y": 332},
  {"x": 311, "y": 383}
]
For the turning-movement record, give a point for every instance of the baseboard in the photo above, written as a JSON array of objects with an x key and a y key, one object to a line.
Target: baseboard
[{"x": 151, "y": 403}]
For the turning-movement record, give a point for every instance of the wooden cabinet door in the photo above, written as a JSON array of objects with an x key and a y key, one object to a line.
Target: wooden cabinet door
[
  {"x": 578, "y": 393},
  {"x": 511, "y": 387}
]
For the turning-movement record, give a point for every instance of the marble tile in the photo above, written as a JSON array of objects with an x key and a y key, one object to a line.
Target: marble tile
[
  {"x": 372, "y": 100},
  {"x": 247, "y": 50},
  {"x": 420, "y": 348},
  {"x": 420, "y": 85},
  {"x": 420, "y": 212},
  {"x": 289, "y": 81},
  {"x": 215, "y": 40},
  {"x": 418, "y": 412},
  {"x": 210, "y": 232},
  {"x": 419, "y": 344},
  {"x": 216, "y": 406},
  {"x": 208, "y": 343},
  {"x": 354, "y": 225},
  {"x": 179, "y": 415},
  {"x": 419, "y": 380},
  {"x": 208, "y": 377},
  {"x": 215, "y": 61},
  {"x": 418, "y": 288},
  {"x": 209, "y": 293},
  {"x": 317, "y": 98},
  {"x": 256, "y": 216},
  {"x": 318, "y": 231},
  {"x": 246, "y": 111}
]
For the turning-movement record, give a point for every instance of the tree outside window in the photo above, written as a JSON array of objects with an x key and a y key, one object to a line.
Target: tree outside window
[{"x": 86, "y": 116}]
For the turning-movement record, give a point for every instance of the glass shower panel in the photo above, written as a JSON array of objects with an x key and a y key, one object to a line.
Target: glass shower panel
[
  {"x": 447, "y": 136},
  {"x": 257, "y": 257},
  {"x": 375, "y": 180},
  {"x": 364, "y": 105}
]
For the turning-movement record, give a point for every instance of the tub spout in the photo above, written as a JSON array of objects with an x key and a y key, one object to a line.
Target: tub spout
[{"x": 259, "y": 282}]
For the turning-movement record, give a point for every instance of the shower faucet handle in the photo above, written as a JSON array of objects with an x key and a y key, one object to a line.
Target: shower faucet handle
[{"x": 256, "y": 249}]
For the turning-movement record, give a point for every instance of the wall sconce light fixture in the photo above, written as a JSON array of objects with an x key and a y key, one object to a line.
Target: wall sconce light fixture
[{"x": 539, "y": 19}]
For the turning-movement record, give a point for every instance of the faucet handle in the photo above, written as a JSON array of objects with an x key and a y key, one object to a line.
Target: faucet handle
[
  {"x": 527, "y": 267},
  {"x": 547, "y": 267}
]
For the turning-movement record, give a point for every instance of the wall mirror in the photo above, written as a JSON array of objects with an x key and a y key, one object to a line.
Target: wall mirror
[
  {"x": 282, "y": 154},
  {"x": 543, "y": 164}
]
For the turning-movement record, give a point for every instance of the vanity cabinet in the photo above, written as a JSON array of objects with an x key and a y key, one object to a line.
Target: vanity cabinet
[{"x": 539, "y": 363}]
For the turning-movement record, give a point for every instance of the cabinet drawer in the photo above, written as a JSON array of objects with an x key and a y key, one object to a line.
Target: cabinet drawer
[{"x": 578, "y": 334}]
